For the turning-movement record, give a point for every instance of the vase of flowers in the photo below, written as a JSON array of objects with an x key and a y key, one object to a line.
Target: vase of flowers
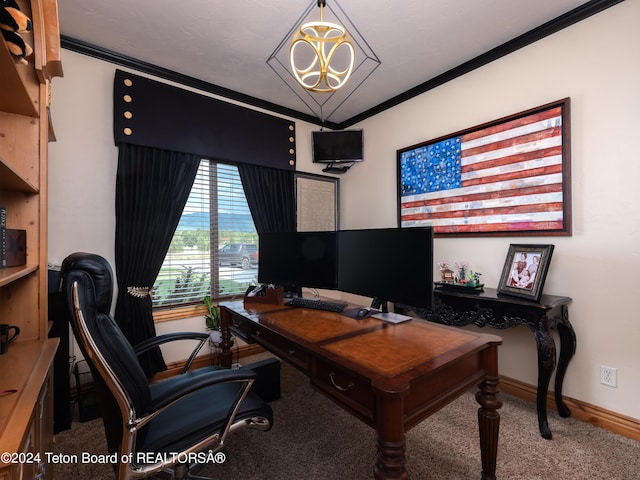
[{"x": 462, "y": 271}]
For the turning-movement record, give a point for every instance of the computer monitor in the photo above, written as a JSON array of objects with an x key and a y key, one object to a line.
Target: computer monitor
[
  {"x": 298, "y": 259},
  {"x": 389, "y": 265}
]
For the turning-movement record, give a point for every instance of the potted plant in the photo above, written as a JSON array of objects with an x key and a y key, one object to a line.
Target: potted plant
[
  {"x": 212, "y": 320},
  {"x": 474, "y": 278}
]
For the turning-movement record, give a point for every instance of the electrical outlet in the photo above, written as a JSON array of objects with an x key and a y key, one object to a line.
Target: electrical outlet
[{"x": 608, "y": 376}]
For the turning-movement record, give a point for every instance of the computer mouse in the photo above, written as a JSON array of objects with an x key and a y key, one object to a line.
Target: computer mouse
[{"x": 363, "y": 313}]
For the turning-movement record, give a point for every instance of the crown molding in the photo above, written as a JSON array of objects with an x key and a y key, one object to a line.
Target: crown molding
[
  {"x": 574, "y": 16},
  {"x": 116, "y": 58}
]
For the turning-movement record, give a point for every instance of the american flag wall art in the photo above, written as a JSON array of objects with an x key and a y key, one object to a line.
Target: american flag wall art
[{"x": 507, "y": 177}]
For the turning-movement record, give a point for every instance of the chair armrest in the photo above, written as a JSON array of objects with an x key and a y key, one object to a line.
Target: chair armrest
[
  {"x": 167, "y": 391},
  {"x": 171, "y": 337}
]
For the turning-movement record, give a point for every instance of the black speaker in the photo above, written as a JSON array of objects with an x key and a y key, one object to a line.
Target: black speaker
[
  {"x": 267, "y": 382},
  {"x": 59, "y": 315}
]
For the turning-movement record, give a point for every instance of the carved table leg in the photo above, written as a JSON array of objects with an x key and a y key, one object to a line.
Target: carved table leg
[
  {"x": 546, "y": 365},
  {"x": 488, "y": 417},
  {"x": 567, "y": 350},
  {"x": 390, "y": 439}
]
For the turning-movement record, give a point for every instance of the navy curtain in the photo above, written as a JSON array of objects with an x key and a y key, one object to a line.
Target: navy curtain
[
  {"x": 271, "y": 197},
  {"x": 152, "y": 188}
]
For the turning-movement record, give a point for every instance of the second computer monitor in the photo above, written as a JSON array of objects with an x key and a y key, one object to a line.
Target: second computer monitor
[
  {"x": 389, "y": 265},
  {"x": 298, "y": 259}
]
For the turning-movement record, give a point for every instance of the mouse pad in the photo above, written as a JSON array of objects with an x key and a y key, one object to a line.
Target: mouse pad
[{"x": 353, "y": 312}]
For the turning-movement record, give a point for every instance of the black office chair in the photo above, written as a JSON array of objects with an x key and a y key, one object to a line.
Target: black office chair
[{"x": 172, "y": 419}]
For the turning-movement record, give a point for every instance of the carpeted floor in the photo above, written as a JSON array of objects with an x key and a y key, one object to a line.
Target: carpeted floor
[{"x": 312, "y": 439}]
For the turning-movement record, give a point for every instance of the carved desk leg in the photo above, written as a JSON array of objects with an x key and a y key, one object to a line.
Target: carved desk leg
[
  {"x": 567, "y": 350},
  {"x": 488, "y": 417},
  {"x": 546, "y": 365},
  {"x": 227, "y": 343},
  {"x": 390, "y": 439}
]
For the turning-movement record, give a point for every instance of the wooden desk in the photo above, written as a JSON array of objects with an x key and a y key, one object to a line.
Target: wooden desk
[
  {"x": 389, "y": 376},
  {"x": 489, "y": 309}
]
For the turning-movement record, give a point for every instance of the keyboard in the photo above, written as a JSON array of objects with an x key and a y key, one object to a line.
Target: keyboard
[{"x": 326, "y": 305}]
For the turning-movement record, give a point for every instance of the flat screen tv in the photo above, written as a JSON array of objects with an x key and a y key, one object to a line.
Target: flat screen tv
[
  {"x": 339, "y": 146},
  {"x": 298, "y": 259},
  {"x": 389, "y": 265}
]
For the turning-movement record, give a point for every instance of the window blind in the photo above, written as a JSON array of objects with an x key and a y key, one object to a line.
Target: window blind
[{"x": 215, "y": 216}]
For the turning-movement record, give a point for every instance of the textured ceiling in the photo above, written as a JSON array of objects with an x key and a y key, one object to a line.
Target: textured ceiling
[{"x": 226, "y": 43}]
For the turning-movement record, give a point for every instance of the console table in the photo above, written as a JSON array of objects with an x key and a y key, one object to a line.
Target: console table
[
  {"x": 487, "y": 308},
  {"x": 389, "y": 376}
]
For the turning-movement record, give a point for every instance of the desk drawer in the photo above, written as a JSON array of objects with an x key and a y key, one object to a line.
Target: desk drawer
[
  {"x": 242, "y": 327},
  {"x": 287, "y": 351},
  {"x": 350, "y": 391}
]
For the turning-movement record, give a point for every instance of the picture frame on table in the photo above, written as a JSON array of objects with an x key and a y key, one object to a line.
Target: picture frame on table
[{"x": 525, "y": 270}]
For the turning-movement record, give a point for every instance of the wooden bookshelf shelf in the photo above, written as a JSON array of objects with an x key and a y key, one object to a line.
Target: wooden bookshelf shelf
[
  {"x": 26, "y": 417},
  {"x": 17, "y": 94},
  {"x": 10, "y": 179},
  {"x": 9, "y": 275}
]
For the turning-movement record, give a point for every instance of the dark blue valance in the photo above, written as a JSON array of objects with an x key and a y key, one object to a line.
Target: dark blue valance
[{"x": 155, "y": 114}]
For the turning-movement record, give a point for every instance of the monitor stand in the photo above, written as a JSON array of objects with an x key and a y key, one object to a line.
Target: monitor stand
[
  {"x": 392, "y": 317},
  {"x": 385, "y": 314},
  {"x": 291, "y": 291}
]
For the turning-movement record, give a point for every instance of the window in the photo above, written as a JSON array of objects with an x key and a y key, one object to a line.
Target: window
[{"x": 214, "y": 250}]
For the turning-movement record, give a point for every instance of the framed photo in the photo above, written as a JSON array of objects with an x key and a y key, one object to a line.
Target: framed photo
[
  {"x": 525, "y": 270},
  {"x": 317, "y": 202},
  {"x": 503, "y": 178}
]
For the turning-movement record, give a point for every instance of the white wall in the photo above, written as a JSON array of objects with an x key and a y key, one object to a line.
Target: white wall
[
  {"x": 594, "y": 62},
  {"x": 83, "y": 160}
]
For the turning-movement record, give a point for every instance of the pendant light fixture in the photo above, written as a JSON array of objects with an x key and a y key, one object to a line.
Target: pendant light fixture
[{"x": 321, "y": 55}]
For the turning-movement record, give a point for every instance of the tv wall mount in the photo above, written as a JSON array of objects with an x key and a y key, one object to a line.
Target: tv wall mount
[{"x": 337, "y": 168}]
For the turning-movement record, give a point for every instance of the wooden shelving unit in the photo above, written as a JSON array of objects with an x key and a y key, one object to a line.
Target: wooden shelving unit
[
  {"x": 26, "y": 421},
  {"x": 19, "y": 93}
]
